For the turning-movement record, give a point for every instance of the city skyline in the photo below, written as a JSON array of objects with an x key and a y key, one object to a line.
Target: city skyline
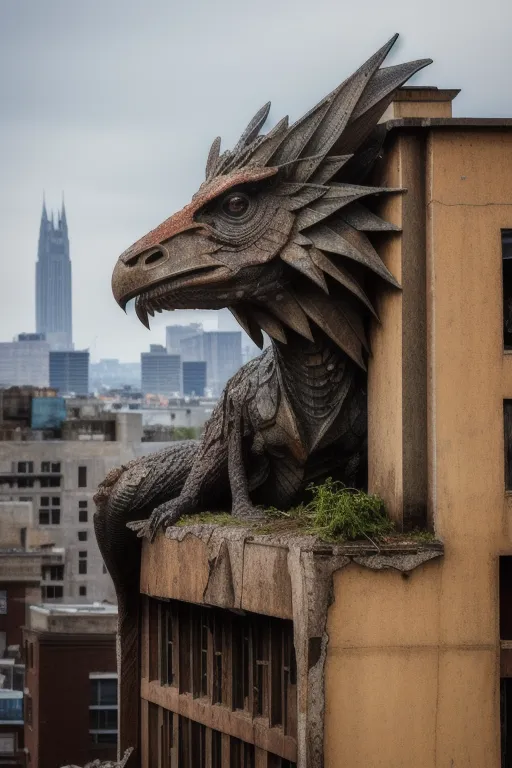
[{"x": 84, "y": 118}]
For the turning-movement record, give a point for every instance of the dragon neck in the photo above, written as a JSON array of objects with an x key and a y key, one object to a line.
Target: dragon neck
[{"x": 316, "y": 377}]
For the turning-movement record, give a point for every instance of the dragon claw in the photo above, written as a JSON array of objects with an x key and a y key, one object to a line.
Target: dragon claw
[{"x": 161, "y": 517}]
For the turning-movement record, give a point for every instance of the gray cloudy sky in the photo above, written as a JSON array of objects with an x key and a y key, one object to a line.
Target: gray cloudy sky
[{"x": 116, "y": 102}]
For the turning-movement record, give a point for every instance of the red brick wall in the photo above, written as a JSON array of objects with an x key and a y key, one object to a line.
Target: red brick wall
[{"x": 62, "y": 666}]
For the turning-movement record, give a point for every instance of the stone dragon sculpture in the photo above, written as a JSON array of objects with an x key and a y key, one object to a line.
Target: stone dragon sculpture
[{"x": 279, "y": 233}]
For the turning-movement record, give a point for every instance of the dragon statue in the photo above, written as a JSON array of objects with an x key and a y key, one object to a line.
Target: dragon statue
[{"x": 279, "y": 233}]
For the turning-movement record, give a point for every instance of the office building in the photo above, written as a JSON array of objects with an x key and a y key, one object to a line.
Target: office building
[
  {"x": 25, "y": 362},
  {"x": 69, "y": 372},
  {"x": 222, "y": 352},
  {"x": 160, "y": 372},
  {"x": 175, "y": 333},
  {"x": 194, "y": 378},
  {"x": 53, "y": 281}
]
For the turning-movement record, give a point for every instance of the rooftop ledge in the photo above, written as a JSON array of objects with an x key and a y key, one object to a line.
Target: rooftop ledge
[{"x": 231, "y": 566}]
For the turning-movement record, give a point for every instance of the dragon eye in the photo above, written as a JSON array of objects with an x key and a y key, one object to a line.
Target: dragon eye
[{"x": 235, "y": 205}]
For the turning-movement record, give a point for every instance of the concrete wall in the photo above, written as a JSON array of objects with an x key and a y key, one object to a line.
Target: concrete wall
[{"x": 412, "y": 675}]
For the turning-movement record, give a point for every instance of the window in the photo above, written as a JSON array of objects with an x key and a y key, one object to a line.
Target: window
[
  {"x": 56, "y": 466},
  {"x": 7, "y": 743},
  {"x": 3, "y": 602},
  {"x": 507, "y": 429},
  {"x": 49, "y": 482},
  {"x": 44, "y": 501},
  {"x": 51, "y": 592},
  {"x": 82, "y": 535},
  {"x": 25, "y": 466},
  {"x": 49, "y": 516},
  {"x": 244, "y": 663},
  {"x": 506, "y": 251},
  {"x": 25, "y": 482},
  {"x": 82, "y": 562},
  {"x": 103, "y": 709},
  {"x": 45, "y": 466},
  {"x": 82, "y": 591},
  {"x": 83, "y": 513},
  {"x": 82, "y": 477},
  {"x": 53, "y": 573}
]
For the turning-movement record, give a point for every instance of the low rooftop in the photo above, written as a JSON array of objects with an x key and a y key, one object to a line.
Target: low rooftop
[{"x": 73, "y": 618}]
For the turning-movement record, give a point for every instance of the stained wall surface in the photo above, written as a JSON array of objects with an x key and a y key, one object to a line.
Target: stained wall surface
[{"x": 413, "y": 664}]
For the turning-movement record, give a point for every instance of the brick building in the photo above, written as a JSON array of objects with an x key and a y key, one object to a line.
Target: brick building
[{"x": 71, "y": 684}]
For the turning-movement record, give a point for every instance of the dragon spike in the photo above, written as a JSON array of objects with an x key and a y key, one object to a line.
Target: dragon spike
[
  {"x": 336, "y": 197},
  {"x": 331, "y": 319},
  {"x": 328, "y": 168},
  {"x": 261, "y": 153},
  {"x": 359, "y": 217},
  {"x": 298, "y": 258},
  {"x": 287, "y": 309},
  {"x": 254, "y": 127},
  {"x": 341, "y": 275},
  {"x": 342, "y": 239},
  {"x": 243, "y": 318},
  {"x": 269, "y": 324},
  {"x": 319, "y": 129},
  {"x": 213, "y": 158}
]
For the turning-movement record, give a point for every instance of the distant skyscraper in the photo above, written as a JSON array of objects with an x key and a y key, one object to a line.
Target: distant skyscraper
[
  {"x": 160, "y": 372},
  {"x": 53, "y": 282},
  {"x": 194, "y": 377},
  {"x": 69, "y": 372},
  {"x": 175, "y": 333}
]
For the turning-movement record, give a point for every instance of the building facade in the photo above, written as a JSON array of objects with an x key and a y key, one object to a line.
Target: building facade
[
  {"x": 194, "y": 378},
  {"x": 69, "y": 372},
  {"x": 175, "y": 333},
  {"x": 160, "y": 372},
  {"x": 222, "y": 352},
  {"x": 60, "y": 477},
  {"x": 53, "y": 282},
  {"x": 71, "y": 684},
  {"x": 25, "y": 361}
]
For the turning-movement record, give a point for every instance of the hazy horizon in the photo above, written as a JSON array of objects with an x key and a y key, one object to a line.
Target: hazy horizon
[{"x": 116, "y": 103}]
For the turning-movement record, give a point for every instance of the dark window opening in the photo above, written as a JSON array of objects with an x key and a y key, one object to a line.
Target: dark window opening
[
  {"x": 82, "y": 535},
  {"x": 507, "y": 431},
  {"x": 82, "y": 567},
  {"x": 506, "y": 250},
  {"x": 82, "y": 477},
  {"x": 82, "y": 591},
  {"x": 53, "y": 572},
  {"x": 52, "y": 592}
]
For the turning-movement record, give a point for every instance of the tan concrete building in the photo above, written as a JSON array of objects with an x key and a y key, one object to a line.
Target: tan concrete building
[{"x": 410, "y": 664}]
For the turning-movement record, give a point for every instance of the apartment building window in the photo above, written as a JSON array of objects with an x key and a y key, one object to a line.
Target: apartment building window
[
  {"x": 83, "y": 512},
  {"x": 506, "y": 251},
  {"x": 25, "y": 467},
  {"x": 49, "y": 482},
  {"x": 103, "y": 708},
  {"x": 53, "y": 572},
  {"x": 507, "y": 431},
  {"x": 7, "y": 743},
  {"x": 25, "y": 482},
  {"x": 82, "y": 477},
  {"x": 50, "y": 466},
  {"x": 49, "y": 512},
  {"x": 82, "y": 591},
  {"x": 52, "y": 592},
  {"x": 3, "y": 602},
  {"x": 82, "y": 535},
  {"x": 82, "y": 562}
]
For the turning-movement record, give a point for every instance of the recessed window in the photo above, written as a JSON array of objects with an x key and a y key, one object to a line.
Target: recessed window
[
  {"x": 82, "y": 477},
  {"x": 506, "y": 252},
  {"x": 45, "y": 501},
  {"x": 82, "y": 591},
  {"x": 52, "y": 592},
  {"x": 103, "y": 709},
  {"x": 82, "y": 535},
  {"x": 25, "y": 466},
  {"x": 45, "y": 466},
  {"x": 49, "y": 516},
  {"x": 82, "y": 567},
  {"x": 3, "y": 602},
  {"x": 83, "y": 513},
  {"x": 507, "y": 430},
  {"x": 53, "y": 572}
]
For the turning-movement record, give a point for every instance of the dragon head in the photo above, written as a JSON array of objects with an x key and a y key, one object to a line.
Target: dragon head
[{"x": 277, "y": 232}]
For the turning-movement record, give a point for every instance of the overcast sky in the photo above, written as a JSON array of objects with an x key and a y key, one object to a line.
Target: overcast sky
[{"x": 116, "y": 102}]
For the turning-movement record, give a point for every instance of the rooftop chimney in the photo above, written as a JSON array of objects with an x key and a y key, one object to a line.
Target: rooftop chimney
[{"x": 421, "y": 101}]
